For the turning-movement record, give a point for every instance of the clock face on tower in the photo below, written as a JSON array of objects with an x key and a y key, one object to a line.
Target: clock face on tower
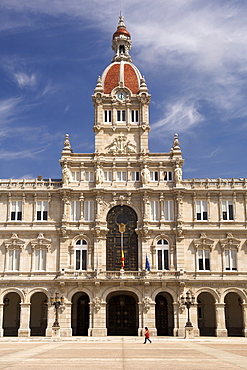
[{"x": 121, "y": 95}]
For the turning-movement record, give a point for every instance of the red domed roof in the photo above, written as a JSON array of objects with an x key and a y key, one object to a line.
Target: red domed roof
[
  {"x": 131, "y": 77},
  {"x": 121, "y": 31}
]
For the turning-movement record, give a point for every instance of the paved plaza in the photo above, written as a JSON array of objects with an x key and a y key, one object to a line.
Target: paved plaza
[{"x": 123, "y": 353}]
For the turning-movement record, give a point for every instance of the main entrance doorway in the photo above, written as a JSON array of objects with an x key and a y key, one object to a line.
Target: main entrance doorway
[
  {"x": 125, "y": 240},
  {"x": 122, "y": 315},
  {"x": 80, "y": 314}
]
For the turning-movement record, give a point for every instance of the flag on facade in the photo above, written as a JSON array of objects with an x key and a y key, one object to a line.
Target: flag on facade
[
  {"x": 122, "y": 260},
  {"x": 147, "y": 264}
]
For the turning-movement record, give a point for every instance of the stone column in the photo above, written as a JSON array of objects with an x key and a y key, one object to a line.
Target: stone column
[
  {"x": 175, "y": 318},
  {"x": 50, "y": 320},
  {"x": 24, "y": 330},
  {"x": 65, "y": 320},
  {"x": 172, "y": 257},
  {"x": 1, "y": 319},
  {"x": 244, "y": 310},
  {"x": 99, "y": 321},
  {"x": 221, "y": 330},
  {"x": 148, "y": 312},
  {"x": 194, "y": 320}
]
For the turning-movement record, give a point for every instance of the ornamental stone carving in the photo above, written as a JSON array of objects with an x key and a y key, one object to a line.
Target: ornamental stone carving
[
  {"x": 99, "y": 176},
  {"x": 97, "y": 303},
  {"x": 145, "y": 175},
  {"x": 146, "y": 304},
  {"x": 121, "y": 145},
  {"x": 66, "y": 175}
]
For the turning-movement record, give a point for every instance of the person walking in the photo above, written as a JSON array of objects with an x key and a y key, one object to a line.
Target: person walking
[{"x": 147, "y": 336}]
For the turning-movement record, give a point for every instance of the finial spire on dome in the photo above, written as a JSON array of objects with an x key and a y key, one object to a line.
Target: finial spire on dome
[{"x": 121, "y": 42}]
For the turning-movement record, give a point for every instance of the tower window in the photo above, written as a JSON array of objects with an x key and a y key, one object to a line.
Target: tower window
[
  {"x": 154, "y": 176},
  {"x": 134, "y": 116},
  {"x": 167, "y": 175},
  {"x": 136, "y": 176},
  {"x": 121, "y": 116},
  {"x": 122, "y": 49},
  {"x": 108, "y": 116}
]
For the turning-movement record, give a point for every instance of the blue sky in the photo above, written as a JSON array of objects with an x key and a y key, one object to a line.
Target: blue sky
[{"x": 192, "y": 53}]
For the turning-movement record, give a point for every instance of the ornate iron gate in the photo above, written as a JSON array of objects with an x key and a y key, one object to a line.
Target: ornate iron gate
[{"x": 122, "y": 315}]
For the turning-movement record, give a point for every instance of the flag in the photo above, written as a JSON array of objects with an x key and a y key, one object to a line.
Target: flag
[
  {"x": 147, "y": 264},
  {"x": 122, "y": 260}
]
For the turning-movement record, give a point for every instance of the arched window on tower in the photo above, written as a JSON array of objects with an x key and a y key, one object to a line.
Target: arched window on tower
[
  {"x": 121, "y": 49},
  {"x": 162, "y": 254},
  {"x": 81, "y": 255}
]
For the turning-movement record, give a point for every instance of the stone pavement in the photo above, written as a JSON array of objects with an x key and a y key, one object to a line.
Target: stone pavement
[{"x": 123, "y": 353}]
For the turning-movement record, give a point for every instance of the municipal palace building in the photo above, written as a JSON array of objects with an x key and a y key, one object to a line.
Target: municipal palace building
[{"x": 123, "y": 241}]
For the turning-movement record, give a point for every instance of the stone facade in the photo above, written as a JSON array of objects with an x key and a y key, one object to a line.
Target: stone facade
[{"x": 123, "y": 238}]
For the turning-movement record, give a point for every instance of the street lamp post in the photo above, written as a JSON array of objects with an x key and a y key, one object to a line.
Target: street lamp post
[
  {"x": 188, "y": 302},
  {"x": 56, "y": 303}
]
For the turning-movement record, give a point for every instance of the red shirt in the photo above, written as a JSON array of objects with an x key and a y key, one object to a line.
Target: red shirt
[{"x": 147, "y": 334}]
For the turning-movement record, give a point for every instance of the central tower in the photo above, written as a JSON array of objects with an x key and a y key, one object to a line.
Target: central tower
[{"x": 121, "y": 102}]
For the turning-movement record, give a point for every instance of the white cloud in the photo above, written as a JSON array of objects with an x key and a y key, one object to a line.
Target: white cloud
[
  {"x": 27, "y": 153},
  {"x": 8, "y": 108},
  {"x": 25, "y": 80},
  {"x": 179, "y": 117}
]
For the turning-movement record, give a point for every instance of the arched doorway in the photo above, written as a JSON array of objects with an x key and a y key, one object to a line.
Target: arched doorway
[
  {"x": 11, "y": 314},
  {"x": 114, "y": 243},
  {"x": 164, "y": 315},
  {"x": 80, "y": 314},
  {"x": 206, "y": 314},
  {"x": 233, "y": 315},
  {"x": 38, "y": 314},
  {"x": 122, "y": 314}
]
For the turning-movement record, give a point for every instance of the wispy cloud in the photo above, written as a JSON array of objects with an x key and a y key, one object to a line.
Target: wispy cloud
[
  {"x": 180, "y": 116},
  {"x": 22, "y": 154},
  {"x": 25, "y": 80}
]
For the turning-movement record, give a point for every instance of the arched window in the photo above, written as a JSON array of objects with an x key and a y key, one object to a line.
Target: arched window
[
  {"x": 81, "y": 255},
  {"x": 162, "y": 254}
]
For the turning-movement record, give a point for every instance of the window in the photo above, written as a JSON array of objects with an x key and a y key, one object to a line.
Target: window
[
  {"x": 136, "y": 176},
  {"x": 134, "y": 116},
  {"x": 167, "y": 175},
  {"x": 154, "y": 176},
  {"x": 14, "y": 259},
  {"x": 81, "y": 255},
  {"x": 121, "y": 176},
  {"x": 76, "y": 176},
  {"x": 227, "y": 210},
  {"x": 201, "y": 210},
  {"x": 155, "y": 211},
  {"x": 40, "y": 259},
  {"x": 89, "y": 210},
  {"x": 42, "y": 210},
  {"x": 121, "y": 116},
  {"x": 75, "y": 210},
  {"x": 231, "y": 259},
  {"x": 16, "y": 210},
  {"x": 203, "y": 259},
  {"x": 162, "y": 251},
  {"x": 108, "y": 116},
  {"x": 108, "y": 176},
  {"x": 168, "y": 210},
  {"x": 89, "y": 176}
]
